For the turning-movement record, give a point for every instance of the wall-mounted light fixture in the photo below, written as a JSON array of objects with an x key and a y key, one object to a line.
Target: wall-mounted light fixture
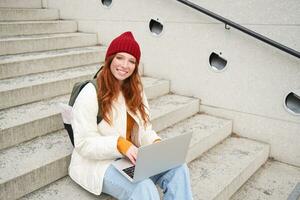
[
  {"x": 106, "y": 3},
  {"x": 156, "y": 26},
  {"x": 217, "y": 62},
  {"x": 292, "y": 102}
]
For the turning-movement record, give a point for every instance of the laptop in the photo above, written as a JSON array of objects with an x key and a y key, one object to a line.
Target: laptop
[{"x": 155, "y": 158}]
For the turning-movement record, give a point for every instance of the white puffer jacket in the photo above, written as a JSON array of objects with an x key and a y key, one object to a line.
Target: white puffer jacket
[{"x": 96, "y": 145}]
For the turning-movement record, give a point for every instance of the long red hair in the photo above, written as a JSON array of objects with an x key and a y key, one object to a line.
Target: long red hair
[{"x": 109, "y": 89}]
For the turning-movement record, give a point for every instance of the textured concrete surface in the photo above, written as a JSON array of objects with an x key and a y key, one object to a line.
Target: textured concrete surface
[
  {"x": 30, "y": 63},
  {"x": 38, "y": 152},
  {"x": 263, "y": 12},
  {"x": 252, "y": 69},
  {"x": 155, "y": 87},
  {"x": 36, "y": 27},
  {"x": 207, "y": 132},
  {"x": 35, "y": 62},
  {"x": 47, "y": 77},
  {"x": 64, "y": 188},
  {"x": 19, "y": 14},
  {"x": 174, "y": 109},
  {"x": 278, "y": 20},
  {"x": 21, "y": 3},
  {"x": 283, "y": 136},
  {"x": 95, "y": 10},
  {"x": 41, "y": 161},
  {"x": 26, "y": 89},
  {"x": 222, "y": 170},
  {"x": 45, "y": 42},
  {"x": 25, "y": 122},
  {"x": 274, "y": 180}
]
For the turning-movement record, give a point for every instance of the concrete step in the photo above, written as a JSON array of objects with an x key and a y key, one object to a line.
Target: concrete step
[
  {"x": 36, "y": 27},
  {"x": 35, "y": 87},
  {"x": 45, "y": 42},
  {"x": 64, "y": 188},
  {"x": 25, "y": 122},
  {"x": 21, "y": 3},
  {"x": 207, "y": 131},
  {"x": 213, "y": 175},
  {"x": 36, "y": 62},
  {"x": 273, "y": 181},
  {"x": 25, "y": 14},
  {"x": 220, "y": 172},
  {"x": 34, "y": 164}
]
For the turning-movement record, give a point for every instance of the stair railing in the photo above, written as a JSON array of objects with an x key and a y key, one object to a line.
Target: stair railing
[{"x": 230, "y": 23}]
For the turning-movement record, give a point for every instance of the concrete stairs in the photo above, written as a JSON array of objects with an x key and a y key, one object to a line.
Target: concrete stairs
[
  {"x": 35, "y": 62},
  {"x": 41, "y": 57},
  {"x": 28, "y": 14},
  {"x": 273, "y": 181},
  {"x": 21, "y": 4},
  {"x": 45, "y": 42}
]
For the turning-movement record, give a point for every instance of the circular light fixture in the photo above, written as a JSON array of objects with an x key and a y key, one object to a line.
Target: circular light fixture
[
  {"x": 156, "y": 26},
  {"x": 217, "y": 62},
  {"x": 292, "y": 102},
  {"x": 106, "y": 3}
]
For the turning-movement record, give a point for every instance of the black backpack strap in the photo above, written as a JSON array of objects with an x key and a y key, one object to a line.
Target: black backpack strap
[
  {"x": 95, "y": 76},
  {"x": 69, "y": 129}
]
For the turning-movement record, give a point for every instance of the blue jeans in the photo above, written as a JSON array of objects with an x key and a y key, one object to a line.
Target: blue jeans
[{"x": 175, "y": 184}]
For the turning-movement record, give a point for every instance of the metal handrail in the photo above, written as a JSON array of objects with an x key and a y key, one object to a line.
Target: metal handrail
[{"x": 242, "y": 28}]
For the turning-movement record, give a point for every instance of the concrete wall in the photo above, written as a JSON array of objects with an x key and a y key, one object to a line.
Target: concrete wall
[{"x": 251, "y": 89}]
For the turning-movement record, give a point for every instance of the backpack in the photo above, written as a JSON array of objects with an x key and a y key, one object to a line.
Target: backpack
[{"x": 75, "y": 92}]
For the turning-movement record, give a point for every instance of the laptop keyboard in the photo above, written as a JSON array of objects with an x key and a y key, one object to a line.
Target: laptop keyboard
[{"x": 129, "y": 171}]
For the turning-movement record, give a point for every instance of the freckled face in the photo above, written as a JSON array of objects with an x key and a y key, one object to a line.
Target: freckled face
[{"x": 122, "y": 66}]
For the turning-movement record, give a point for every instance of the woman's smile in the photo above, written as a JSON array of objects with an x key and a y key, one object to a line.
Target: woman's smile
[
  {"x": 122, "y": 65},
  {"x": 121, "y": 71}
]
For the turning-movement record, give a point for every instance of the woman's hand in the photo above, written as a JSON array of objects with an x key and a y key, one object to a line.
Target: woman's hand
[
  {"x": 131, "y": 153},
  {"x": 157, "y": 140}
]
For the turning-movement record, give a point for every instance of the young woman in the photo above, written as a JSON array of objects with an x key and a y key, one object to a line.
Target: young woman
[{"x": 125, "y": 127}]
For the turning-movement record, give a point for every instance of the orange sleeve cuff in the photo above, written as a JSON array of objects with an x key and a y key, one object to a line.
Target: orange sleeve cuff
[{"x": 123, "y": 145}]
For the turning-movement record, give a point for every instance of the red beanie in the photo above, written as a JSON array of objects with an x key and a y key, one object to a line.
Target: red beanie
[{"x": 124, "y": 43}]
